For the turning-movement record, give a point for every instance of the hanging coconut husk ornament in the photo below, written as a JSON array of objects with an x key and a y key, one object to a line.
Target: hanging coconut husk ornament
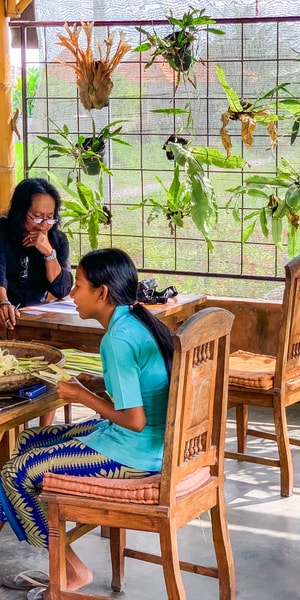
[{"x": 93, "y": 76}]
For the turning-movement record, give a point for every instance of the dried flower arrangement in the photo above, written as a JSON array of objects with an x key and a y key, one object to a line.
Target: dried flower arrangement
[{"x": 93, "y": 76}]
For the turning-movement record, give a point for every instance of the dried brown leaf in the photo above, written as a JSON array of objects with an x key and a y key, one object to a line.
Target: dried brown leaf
[
  {"x": 272, "y": 127},
  {"x": 248, "y": 128},
  {"x": 273, "y": 133},
  {"x": 225, "y": 137}
]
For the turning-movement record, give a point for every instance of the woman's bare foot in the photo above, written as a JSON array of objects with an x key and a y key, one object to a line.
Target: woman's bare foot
[{"x": 78, "y": 574}]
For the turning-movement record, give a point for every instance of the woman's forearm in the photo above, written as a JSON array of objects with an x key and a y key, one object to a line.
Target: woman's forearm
[{"x": 130, "y": 418}]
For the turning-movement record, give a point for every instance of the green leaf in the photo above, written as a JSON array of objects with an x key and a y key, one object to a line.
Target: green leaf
[
  {"x": 93, "y": 231},
  {"x": 290, "y": 104},
  {"x": 216, "y": 31},
  {"x": 169, "y": 111},
  {"x": 295, "y": 130},
  {"x": 281, "y": 211},
  {"x": 264, "y": 222},
  {"x": 58, "y": 183},
  {"x": 270, "y": 93},
  {"x": 48, "y": 141},
  {"x": 232, "y": 96},
  {"x": 255, "y": 193},
  {"x": 254, "y": 213},
  {"x": 240, "y": 189},
  {"x": 293, "y": 241},
  {"x": 268, "y": 180},
  {"x": 266, "y": 119},
  {"x": 236, "y": 213},
  {"x": 174, "y": 188},
  {"x": 142, "y": 47},
  {"x": 248, "y": 232},
  {"x": 290, "y": 169},
  {"x": 277, "y": 232},
  {"x": 85, "y": 194},
  {"x": 211, "y": 156},
  {"x": 73, "y": 205}
]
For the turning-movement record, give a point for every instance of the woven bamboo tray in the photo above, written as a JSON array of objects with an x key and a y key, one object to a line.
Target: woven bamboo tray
[{"x": 28, "y": 350}]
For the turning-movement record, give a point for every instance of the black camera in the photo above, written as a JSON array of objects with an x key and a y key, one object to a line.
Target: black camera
[{"x": 148, "y": 294}]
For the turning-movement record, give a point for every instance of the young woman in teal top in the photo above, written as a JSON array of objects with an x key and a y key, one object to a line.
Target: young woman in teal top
[{"x": 127, "y": 441}]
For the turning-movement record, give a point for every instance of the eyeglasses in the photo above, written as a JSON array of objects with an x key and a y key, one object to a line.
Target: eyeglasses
[
  {"x": 24, "y": 262},
  {"x": 39, "y": 220}
]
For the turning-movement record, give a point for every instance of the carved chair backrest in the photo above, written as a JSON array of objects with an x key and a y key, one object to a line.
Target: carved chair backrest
[
  {"x": 197, "y": 407},
  {"x": 288, "y": 354}
]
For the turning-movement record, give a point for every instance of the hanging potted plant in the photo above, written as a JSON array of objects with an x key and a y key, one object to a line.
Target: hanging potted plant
[
  {"x": 87, "y": 152},
  {"x": 191, "y": 193},
  {"x": 93, "y": 76},
  {"x": 277, "y": 206},
  {"x": 248, "y": 113},
  {"x": 84, "y": 206},
  {"x": 176, "y": 48},
  {"x": 93, "y": 148}
]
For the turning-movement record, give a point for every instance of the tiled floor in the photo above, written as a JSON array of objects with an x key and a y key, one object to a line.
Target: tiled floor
[{"x": 264, "y": 530}]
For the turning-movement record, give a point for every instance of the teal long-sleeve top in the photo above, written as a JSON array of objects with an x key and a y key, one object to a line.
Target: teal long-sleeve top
[{"x": 135, "y": 375}]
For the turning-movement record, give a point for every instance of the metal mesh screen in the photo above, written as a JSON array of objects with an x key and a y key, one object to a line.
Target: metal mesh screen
[{"x": 257, "y": 53}]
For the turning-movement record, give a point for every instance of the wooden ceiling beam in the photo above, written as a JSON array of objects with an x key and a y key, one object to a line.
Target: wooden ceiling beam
[{"x": 14, "y": 8}]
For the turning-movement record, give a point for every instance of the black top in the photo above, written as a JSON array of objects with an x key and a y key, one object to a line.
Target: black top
[{"x": 23, "y": 272}]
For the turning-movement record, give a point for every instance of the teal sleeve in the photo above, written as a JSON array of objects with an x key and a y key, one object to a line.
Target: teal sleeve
[{"x": 121, "y": 372}]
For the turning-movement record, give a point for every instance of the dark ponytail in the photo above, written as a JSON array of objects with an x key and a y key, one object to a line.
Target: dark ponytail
[{"x": 159, "y": 330}]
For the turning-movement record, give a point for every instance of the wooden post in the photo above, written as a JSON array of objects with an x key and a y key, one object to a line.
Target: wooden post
[{"x": 7, "y": 148}]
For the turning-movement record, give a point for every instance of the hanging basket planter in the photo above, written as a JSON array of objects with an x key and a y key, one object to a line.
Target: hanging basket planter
[
  {"x": 91, "y": 163},
  {"x": 93, "y": 76},
  {"x": 179, "y": 56},
  {"x": 177, "y": 47}
]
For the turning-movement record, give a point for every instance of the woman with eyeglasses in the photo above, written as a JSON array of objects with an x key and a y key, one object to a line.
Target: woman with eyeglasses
[{"x": 34, "y": 253}]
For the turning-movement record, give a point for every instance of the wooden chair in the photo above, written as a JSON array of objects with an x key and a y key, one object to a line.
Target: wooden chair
[
  {"x": 274, "y": 382},
  {"x": 191, "y": 481}
]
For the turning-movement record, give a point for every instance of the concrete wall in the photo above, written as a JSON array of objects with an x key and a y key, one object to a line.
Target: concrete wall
[{"x": 256, "y": 324}]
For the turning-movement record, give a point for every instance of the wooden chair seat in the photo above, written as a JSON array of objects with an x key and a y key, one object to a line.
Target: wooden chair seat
[
  {"x": 270, "y": 381},
  {"x": 191, "y": 481}
]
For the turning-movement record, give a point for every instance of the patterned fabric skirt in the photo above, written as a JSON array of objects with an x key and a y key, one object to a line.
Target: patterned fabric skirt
[{"x": 51, "y": 448}]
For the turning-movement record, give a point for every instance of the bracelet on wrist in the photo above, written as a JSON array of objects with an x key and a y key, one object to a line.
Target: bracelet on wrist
[
  {"x": 51, "y": 256},
  {"x": 5, "y": 303}
]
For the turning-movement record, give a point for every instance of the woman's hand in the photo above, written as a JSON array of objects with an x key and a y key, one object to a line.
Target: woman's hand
[
  {"x": 38, "y": 239},
  {"x": 8, "y": 314},
  {"x": 70, "y": 390}
]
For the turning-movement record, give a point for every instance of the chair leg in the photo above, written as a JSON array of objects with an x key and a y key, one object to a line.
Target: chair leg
[
  {"x": 223, "y": 550},
  {"x": 170, "y": 562},
  {"x": 68, "y": 413},
  {"x": 117, "y": 545},
  {"x": 284, "y": 449},
  {"x": 57, "y": 553},
  {"x": 242, "y": 412}
]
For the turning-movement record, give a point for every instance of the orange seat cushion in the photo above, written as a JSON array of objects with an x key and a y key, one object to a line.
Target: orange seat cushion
[
  {"x": 247, "y": 369},
  {"x": 143, "y": 491}
]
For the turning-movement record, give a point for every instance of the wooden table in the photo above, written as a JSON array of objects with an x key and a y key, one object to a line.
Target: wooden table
[
  {"x": 12, "y": 419},
  {"x": 70, "y": 331}
]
